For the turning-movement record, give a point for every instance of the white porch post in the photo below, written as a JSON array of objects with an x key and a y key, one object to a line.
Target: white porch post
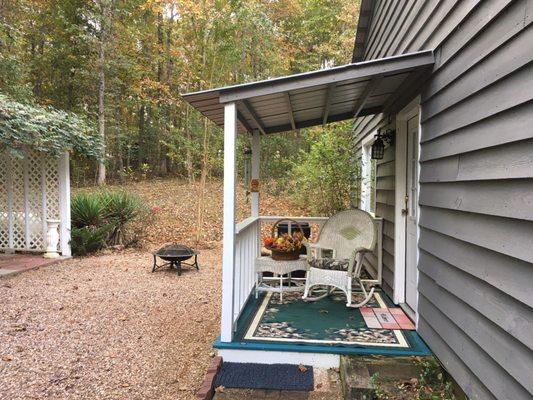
[
  {"x": 228, "y": 256},
  {"x": 64, "y": 204},
  {"x": 256, "y": 158}
]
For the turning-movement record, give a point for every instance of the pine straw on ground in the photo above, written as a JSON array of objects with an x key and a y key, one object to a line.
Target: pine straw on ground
[{"x": 105, "y": 327}]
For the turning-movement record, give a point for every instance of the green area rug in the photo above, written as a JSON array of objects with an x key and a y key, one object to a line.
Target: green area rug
[{"x": 327, "y": 321}]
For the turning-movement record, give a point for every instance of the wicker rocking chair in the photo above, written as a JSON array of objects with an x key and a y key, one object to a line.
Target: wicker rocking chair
[{"x": 336, "y": 260}]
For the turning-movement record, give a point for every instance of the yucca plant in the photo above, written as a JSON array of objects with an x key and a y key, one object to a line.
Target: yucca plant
[
  {"x": 86, "y": 210},
  {"x": 120, "y": 209},
  {"x": 104, "y": 218}
]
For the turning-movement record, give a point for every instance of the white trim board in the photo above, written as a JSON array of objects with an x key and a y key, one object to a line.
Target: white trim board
[
  {"x": 366, "y": 172},
  {"x": 317, "y": 360},
  {"x": 400, "y": 192}
]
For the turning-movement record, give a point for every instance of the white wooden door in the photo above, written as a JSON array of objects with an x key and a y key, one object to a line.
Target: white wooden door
[{"x": 411, "y": 220}]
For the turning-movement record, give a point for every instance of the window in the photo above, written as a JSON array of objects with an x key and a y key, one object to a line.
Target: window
[{"x": 368, "y": 176}]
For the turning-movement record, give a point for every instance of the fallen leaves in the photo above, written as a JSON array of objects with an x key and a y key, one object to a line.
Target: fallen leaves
[
  {"x": 108, "y": 314},
  {"x": 302, "y": 368},
  {"x": 173, "y": 205},
  {"x": 18, "y": 327}
]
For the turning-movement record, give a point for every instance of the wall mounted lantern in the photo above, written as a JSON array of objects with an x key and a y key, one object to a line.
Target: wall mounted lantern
[{"x": 378, "y": 147}]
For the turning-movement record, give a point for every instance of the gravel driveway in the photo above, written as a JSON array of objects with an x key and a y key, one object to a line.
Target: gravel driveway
[{"x": 106, "y": 328}]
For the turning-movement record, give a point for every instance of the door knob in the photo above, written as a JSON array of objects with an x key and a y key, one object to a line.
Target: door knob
[{"x": 404, "y": 211}]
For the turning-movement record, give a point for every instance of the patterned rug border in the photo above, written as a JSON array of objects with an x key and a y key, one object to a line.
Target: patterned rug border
[{"x": 250, "y": 332}]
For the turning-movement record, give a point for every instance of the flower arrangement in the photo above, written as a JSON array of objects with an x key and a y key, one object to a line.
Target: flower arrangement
[
  {"x": 285, "y": 242},
  {"x": 286, "y": 246}
]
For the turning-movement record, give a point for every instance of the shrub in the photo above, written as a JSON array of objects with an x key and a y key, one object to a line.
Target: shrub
[
  {"x": 88, "y": 239},
  {"x": 120, "y": 209},
  {"x": 104, "y": 218},
  {"x": 86, "y": 210},
  {"x": 322, "y": 179}
]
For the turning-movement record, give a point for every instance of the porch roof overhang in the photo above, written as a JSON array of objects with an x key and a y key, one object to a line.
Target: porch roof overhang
[{"x": 317, "y": 97}]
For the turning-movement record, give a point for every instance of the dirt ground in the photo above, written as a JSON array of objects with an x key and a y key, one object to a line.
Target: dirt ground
[{"x": 105, "y": 327}]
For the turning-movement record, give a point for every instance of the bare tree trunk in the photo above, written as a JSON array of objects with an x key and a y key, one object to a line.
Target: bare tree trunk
[
  {"x": 141, "y": 149},
  {"x": 201, "y": 186},
  {"x": 105, "y": 9},
  {"x": 101, "y": 113},
  {"x": 189, "y": 165}
]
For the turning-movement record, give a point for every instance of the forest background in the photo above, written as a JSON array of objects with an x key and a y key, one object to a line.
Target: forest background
[{"x": 122, "y": 64}]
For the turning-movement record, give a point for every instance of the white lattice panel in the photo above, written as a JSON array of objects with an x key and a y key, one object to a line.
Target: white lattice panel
[
  {"x": 18, "y": 207},
  {"x": 52, "y": 187},
  {"x": 4, "y": 229},
  {"x": 29, "y": 196},
  {"x": 34, "y": 202}
]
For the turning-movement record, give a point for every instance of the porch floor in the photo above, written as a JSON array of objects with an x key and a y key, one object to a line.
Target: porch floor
[{"x": 324, "y": 326}]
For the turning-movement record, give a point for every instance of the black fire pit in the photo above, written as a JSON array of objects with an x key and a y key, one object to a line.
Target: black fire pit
[{"x": 175, "y": 255}]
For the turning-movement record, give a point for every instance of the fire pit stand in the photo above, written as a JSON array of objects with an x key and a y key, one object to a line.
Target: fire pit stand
[{"x": 175, "y": 256}]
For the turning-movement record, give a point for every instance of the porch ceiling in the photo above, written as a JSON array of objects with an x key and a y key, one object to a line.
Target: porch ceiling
[{"x": 317, "y": 97}]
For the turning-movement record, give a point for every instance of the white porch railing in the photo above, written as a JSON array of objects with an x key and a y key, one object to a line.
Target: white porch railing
[
  {"x": 248, "y": 245},
  {"x": 247, "y": 248}
]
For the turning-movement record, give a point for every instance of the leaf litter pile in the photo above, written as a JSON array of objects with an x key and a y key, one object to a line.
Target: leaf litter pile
[{"x": 105, "y": 327}]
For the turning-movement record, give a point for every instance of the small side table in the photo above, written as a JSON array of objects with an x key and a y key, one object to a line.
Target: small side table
[{"x": 280, "y": 268}]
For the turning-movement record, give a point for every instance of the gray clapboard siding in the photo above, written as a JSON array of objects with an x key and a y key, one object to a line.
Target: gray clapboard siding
[
  {"x": 395, "y": 28},
  {"x": 392, "y": 44},
  {"x": 483, "y": 15},
  {"x": 385, "y": 169},
  {"x": 506, "y": 274},
  {"x": 512, "y": 199},
  {"x": 385, "y": 183},
  {"x": 489, "y": 302},
  {"x": 497, "y": 35},
  {"x": 388, "y": 229},
  {"x": 510, "y": 161},
  {"x": 510, "y": 354},
  {"x": 388, "y": 272},
  {"x": 504, "y": 235},
  {"x": 476, "y": 192},
  {"x": 506, "y": 93},
  {"x": 499, "y": 382},
  {"x": 385, "y": 211},
  {"x": 426, "y": 11},
  {"x": 506, "y": 60},
  {"x": 456, "y": 13},
  {"x": 454, "y": 364},
  {"x": 385, "y": 178},
  {"x": 436, "y": 23},
  {"x": 385, "y": 197},
  {"x": 506, "y": 127}
]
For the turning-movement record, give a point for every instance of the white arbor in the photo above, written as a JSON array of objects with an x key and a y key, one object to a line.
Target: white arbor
[{"x": 34, "y": 189}]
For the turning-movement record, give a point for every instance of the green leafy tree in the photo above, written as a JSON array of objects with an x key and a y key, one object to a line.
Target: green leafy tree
[{"x": 322, "y": 178}]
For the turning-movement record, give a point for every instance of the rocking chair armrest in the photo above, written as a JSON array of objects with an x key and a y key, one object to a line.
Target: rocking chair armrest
[
  {"x": 353, "y": 258},
  {"x": 314, "y": 246}
]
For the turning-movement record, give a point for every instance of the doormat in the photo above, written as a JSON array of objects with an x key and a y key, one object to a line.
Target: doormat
[
  {"x": 265, "y": 376},
  {"x": 325, "y": 322},
  {"x": 386, "y": 318}
]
